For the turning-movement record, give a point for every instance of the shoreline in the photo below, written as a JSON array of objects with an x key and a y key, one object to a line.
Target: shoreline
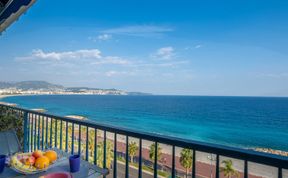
[
  {"x": 272, "y": 151},
  {"x": 11, "y": 104},
  {"x": 6, "y": 96}
]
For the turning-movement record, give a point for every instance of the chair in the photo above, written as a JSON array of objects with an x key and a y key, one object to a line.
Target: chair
[{"x": 9, "y": 143}]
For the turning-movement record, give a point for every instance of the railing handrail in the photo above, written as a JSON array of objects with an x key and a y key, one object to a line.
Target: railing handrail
[{"x": 228, "y": 151}]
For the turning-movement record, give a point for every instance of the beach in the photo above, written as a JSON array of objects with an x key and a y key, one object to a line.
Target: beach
[
  {"x": 6, "y": 103},
  {"x": 76, "y": 117},
  {"x": 4, "y": 96}
]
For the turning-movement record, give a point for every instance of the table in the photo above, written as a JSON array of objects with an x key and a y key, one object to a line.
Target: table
[{"x": 87, "y": 170}]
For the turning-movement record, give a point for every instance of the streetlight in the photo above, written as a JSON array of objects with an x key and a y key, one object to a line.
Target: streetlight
[{"x": 212, "y": 158}]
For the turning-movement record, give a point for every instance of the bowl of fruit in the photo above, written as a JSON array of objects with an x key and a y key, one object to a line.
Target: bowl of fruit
[{"x": 33, "y": 163}]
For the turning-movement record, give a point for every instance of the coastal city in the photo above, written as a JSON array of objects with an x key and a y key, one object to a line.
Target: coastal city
[
  {"x": 15, "y": 91},
  {"x": 45, "y": 88}
]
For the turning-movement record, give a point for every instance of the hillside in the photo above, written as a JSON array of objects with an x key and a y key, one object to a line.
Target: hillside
[
  {"x": 42, "y": 87},
  {"x": 31, "y": 85}
]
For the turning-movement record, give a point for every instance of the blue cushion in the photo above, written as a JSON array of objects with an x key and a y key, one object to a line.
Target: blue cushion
[{"x": 9, "y": 143}]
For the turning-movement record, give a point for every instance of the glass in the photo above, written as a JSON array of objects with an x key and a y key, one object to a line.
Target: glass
[{"x": 74, "y": 162}]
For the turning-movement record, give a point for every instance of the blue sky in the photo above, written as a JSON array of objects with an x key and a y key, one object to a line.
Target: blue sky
[{"x": 182, "y": 47}]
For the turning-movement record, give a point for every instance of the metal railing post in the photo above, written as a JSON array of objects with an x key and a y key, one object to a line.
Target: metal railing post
[
  {"x": 217, "y": 166},
  {"x": 194, "y": 164},
  {"x": 173, "y": 162},
  {"x": 127, "y": 158},
  {"x": 140, "y": 159},
  {"x": 26, "y": 136},
  {"x": 115, "y": 157},
  {"x": 87, "y": 144},
  {"x": 104, "y": 152},
  {"x": 280, "y": 175},
  {"x": 156, "y": 160},
  {"x": 246, "y": 175},
  {"x": 38, "y": 134}
]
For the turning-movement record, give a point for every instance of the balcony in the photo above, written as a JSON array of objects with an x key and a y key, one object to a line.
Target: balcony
[{"x": 128, "y": 153}]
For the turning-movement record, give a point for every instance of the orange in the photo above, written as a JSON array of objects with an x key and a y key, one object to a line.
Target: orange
[
  {"x": 37, "y": 154},
  {"x": 51, "y": 155},
  {"x": 42, "y": 162}
]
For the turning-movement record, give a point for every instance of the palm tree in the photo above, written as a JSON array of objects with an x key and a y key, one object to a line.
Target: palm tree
[
  {"x": 91, "y": 141},
  {"x": 228, "y": 169},
  {"x": 152, "y": 152},
  {"x": 69, "y": 136},
  {"x": 186, "y": 159},
  {"x": 132, "y": 150},
  {"x": 100, "y": 154}
]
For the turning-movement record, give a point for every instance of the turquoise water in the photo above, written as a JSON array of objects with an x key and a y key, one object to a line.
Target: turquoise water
[{"x": 235, "y": 121}]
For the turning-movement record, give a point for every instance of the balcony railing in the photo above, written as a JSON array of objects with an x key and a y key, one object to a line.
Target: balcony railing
[{"x": 42, "y": 131}]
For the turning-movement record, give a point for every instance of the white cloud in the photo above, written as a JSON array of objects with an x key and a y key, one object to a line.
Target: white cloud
[
  {"x": 114, "y": 73},
  {"x": 139, "y": 30},
  {"x": 92, "y": 57},
  {"x": 198, "y": 46},
  {"x": 110, "y": 73},
  {"x": 165, "y": 52},
  {"x": 102, "y": 37},
  {"x": 111, "y": 60},
  {"x": 163, "y": 64},
  {"x": 194, "y": 47},
  {"x": 78, "y": 54}
]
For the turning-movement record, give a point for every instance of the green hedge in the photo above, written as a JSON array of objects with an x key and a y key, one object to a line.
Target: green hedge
[{"x": 10, "y": 119}]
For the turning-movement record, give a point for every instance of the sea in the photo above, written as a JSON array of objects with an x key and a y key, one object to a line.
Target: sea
[{"x": 246, "y": 122}]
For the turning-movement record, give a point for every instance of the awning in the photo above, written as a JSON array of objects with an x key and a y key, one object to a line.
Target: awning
[{"x": 11, "y": 10}]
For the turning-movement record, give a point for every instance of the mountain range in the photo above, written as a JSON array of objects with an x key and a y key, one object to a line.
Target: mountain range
[
  {"x": 31, "y": 85},
  {"x": 46, "y": 86}
]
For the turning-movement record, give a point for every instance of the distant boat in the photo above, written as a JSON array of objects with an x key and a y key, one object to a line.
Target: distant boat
[
  {"x": 8, "y": 104},
  {"x": 11, "y": 10},
  {"x": 39, "y": 110},
  {"x": 76, "y": 117}
]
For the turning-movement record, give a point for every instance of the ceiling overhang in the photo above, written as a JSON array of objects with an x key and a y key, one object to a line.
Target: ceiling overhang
[{"x": 11, "y": 10}]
